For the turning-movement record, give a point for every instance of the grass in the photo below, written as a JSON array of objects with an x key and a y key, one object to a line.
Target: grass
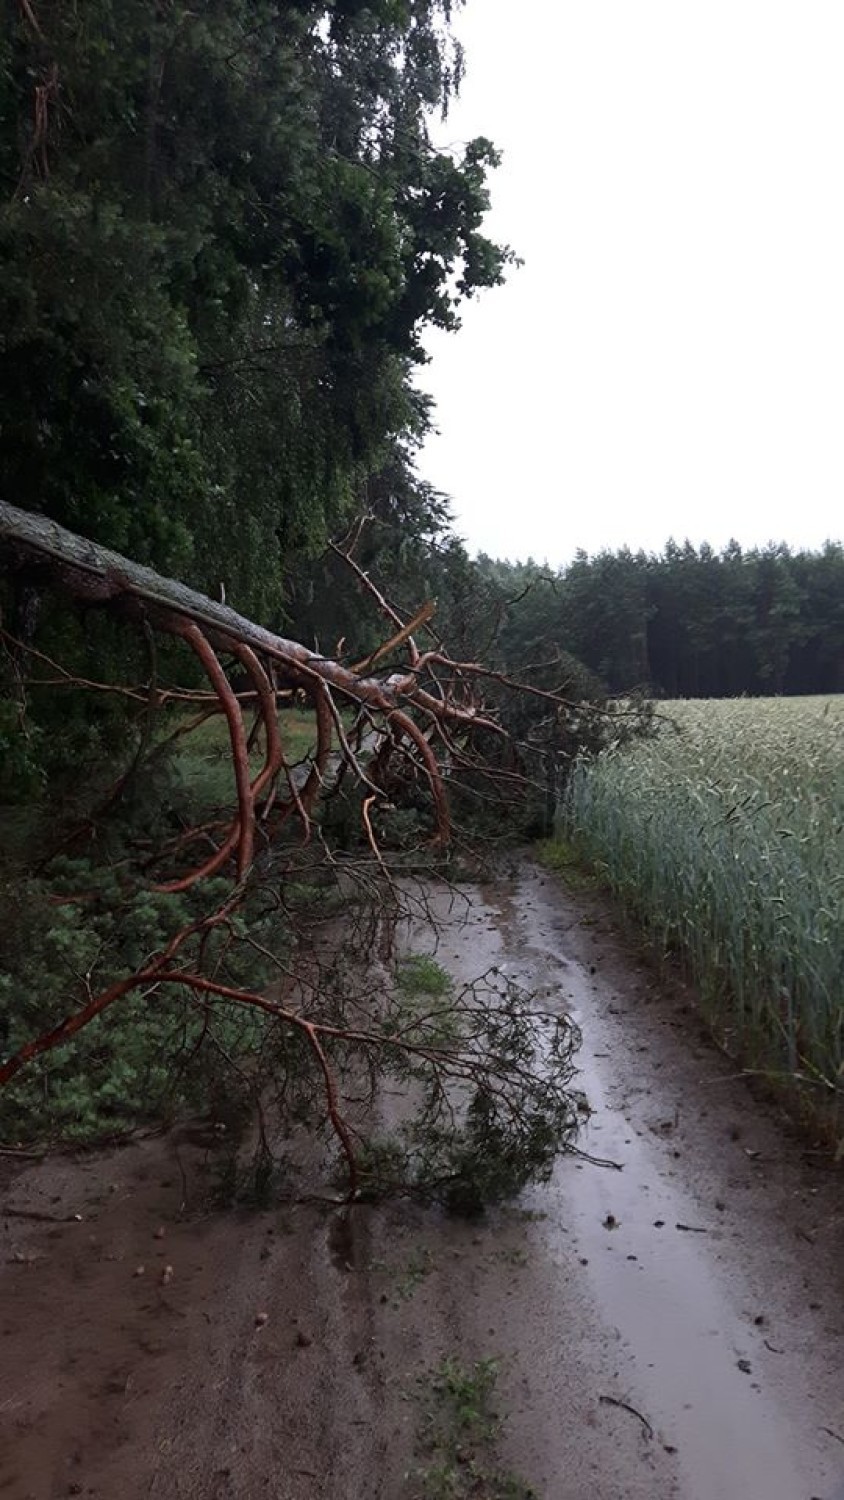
[
  {"x": 423, "y": 1010},
  {"x": 564, "y": 860},
  {"x": 203, "y": 760},
  {"x": 724, "y": 837},
  {"x": 458, "y": 1436},
  {"x": 411, "y": 1276}
]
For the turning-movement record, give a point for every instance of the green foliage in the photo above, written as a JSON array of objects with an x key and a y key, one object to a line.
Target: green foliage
[
  {"x": 468, "y": 1392},
  {"x": 382, "y": 1167},
  {"x": 253, "y": 229},
  {"x": 97, "y": 376},
  {"x": 458, "y": 1436},
  {"x": 423, "y": 1011},
  {"x": 20, "y": 754},
  {"x": 492, "y": 1109},
  {"x": 79, "y": 926},
  {"x": 499, "y": 1150},
  {"x": 418, "y": 974}
]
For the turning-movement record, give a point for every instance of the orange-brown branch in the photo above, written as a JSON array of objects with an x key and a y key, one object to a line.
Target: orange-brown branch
[
  {"x": 274, "y": 755},
  {"x": 405, "y": 724},
  {"x": 243, "y": 832}
]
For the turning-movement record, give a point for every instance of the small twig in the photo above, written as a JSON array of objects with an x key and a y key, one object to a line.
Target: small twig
[
  {"x": 692, "y": 1228},
  {"x": 830, "y": 1433},
  {"x": 383, "y": 604},
  {"x": 772, "y": 1348},
  {"x": 370, "y": 834},
  {"x": 597, "y": 1161},
  {"x": 337, "y": 1121},
  {"x": 625, "y": 1406}
]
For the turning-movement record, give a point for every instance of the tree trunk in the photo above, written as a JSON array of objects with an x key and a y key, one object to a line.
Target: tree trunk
[{"x": 45, "y": 552}]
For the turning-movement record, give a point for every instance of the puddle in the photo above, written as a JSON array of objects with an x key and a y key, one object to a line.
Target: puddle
[
  {"x": 695, "y": 1367},
  {"x": 662, "y": 1273},
  {"x": 692, "y": 1363}
]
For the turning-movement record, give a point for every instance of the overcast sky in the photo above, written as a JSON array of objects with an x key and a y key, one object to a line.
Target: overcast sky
[{"x": 670, "y": 358}]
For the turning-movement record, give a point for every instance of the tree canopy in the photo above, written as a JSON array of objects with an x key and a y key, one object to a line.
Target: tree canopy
[{"x": 224, "y": 229}]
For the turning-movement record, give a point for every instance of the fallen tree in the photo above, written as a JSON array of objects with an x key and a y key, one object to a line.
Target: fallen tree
[{"x": 376, "y": 723}]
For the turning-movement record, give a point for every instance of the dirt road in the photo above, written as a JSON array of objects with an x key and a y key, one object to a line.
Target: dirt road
[{"x": 671, "y": 1329}]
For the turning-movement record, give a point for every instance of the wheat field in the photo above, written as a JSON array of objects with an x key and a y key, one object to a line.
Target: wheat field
[{"x": 725, "y": 837}]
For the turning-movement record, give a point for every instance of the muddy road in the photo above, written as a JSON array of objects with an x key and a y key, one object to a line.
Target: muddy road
[{"x": 671, "y": 1330}]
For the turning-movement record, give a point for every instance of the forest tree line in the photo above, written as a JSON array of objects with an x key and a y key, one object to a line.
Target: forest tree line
[
  {"x": 687, "y": 623},
  {"x": 692, "y": 622}
]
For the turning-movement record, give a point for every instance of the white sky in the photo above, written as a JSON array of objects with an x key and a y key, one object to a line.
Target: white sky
[{"x": 670, "y": 358}]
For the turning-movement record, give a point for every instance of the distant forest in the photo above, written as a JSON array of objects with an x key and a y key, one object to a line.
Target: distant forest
[
  {"x": 692, "y": 622},
  {"x": 689, "y": 623}
]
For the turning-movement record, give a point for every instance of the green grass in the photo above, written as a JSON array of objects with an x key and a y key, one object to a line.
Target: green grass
[
  {"x": 422, "y": 1010},
  {"x": 203, "y": 759},
  {"x": 411, "y": 1275},
  {"x": 725, "y": 838},
  {"x": 561, "y": 857},
  {"x": 458, "y": 1437}
]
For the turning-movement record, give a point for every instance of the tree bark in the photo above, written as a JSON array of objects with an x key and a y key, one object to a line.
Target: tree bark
[{"x": 45, "y": 551}]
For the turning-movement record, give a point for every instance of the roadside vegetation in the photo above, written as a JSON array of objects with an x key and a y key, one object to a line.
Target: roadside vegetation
[
  {"x": 458, "y": 1435},
  {"x": 723, "y": 836}
]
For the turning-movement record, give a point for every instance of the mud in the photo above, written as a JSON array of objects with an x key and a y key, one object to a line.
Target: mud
[{"x": 671, "y": 1329}]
